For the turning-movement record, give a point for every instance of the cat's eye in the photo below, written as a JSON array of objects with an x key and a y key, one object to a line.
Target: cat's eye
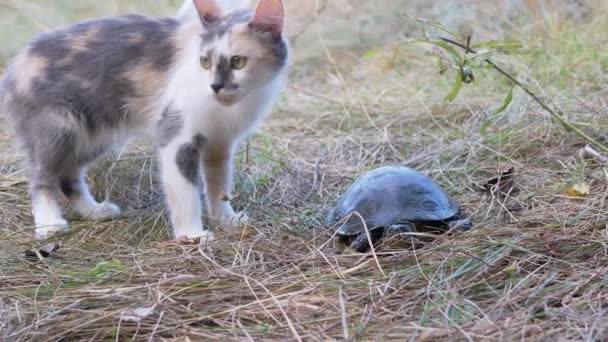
[
  {"x": 205, "y": 62},
  {"x": 238, "y": 62}
]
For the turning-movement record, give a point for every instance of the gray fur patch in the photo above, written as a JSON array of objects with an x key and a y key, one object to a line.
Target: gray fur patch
[
  {"x": 69, "y": 186},
  {"x": 198, "y": 141},
  {"x": 277, "y": 47},
  {"x": 221, "y": 26},
  {"x": 86, "y": 75},
  {"x": 57, "y": 156},
  {"x": 188, "y": 158},
  {"x": 169, "y": 126},
  {"x": 224, "y": 74}
]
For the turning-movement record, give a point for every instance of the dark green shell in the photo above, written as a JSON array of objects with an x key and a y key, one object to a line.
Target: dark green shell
[{"x": 390, "y": 195}]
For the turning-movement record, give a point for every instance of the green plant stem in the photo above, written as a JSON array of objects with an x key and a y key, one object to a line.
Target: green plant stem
[
  {"x": 589, "y": 124},
  {"x": 555, "y": 113}
]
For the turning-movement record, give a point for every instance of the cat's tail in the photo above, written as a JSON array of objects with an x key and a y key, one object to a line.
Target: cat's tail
[{"x": 188, "y": 12}]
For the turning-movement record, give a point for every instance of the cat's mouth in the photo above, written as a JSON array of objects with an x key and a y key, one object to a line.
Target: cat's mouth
[{"x": 227, "y": 99}]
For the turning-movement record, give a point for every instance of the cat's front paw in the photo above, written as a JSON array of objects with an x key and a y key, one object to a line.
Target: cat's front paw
[
  {"x": 45, "y": 230},
  {"x": 233, "y": 221},
  {"x": 205, "y": 235},
  {"x": 104, "y": 211}
]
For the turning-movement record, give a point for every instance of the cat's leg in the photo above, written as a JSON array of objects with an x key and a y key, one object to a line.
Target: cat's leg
[
  {"x": 45, "y": 206},
  {"x": 180, "y": 173},
  {"x": 50, "y": 149},
  {"x": 47, "y": 212},
  {"x": 74, "y": 187},
  {"x": 218, "y": 175}
]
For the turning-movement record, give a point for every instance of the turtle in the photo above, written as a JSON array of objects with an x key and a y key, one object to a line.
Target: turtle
[{"x": 392, "y": 200}]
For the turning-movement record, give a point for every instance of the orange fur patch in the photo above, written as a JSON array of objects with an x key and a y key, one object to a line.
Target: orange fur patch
[{"x": 27, "y": 68}]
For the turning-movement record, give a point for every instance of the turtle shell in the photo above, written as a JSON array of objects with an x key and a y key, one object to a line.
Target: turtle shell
[{"x": 389, "y": 195}]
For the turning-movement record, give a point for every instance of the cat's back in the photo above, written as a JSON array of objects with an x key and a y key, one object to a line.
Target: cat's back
[
  {"x": 100, "y": 45},
  {"x": 124, "y": 38},
  {"x": 95, "y": 67}
]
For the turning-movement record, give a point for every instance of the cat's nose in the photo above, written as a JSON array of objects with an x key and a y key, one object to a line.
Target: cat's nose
[{"x": 217, "y": 87}]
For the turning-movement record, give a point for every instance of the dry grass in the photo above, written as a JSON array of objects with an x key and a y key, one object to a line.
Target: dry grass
[{"x": 533, "y": 268}]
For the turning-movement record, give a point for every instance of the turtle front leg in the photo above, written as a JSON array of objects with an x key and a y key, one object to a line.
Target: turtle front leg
[
  {"x": 462, "y": 224},
  {"x": 393, "y": 233},
  {"x": 399, "y": 228},
  {"x": 361, "y": 243}
]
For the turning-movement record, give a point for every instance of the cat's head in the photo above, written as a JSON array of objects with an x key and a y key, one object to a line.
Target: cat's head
[{"x": 242, "y": 51}]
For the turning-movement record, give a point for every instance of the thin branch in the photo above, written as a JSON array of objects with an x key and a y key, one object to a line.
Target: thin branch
[
  {"x": 589, "y": 153},
  {"x": 555, "y": 113},
  {"x": 467, "y": 49}
]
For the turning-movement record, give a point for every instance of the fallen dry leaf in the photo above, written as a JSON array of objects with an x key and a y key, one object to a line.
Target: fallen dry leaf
[
  {"x": 136, "y": 315},
  {"x": 588, "y": 152},
  {"x": 44, "y": 252},
  {"x": 503, "y": 184},
  {"x": 579, "y": 190},
  {"x": 248, "y": 232}
]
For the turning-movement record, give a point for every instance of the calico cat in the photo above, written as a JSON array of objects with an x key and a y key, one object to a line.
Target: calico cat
[{"x": 196, "y": 87}]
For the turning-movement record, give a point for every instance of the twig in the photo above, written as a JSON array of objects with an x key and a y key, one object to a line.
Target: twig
[
  {"x": 343, "y": 313},
  {"x": 244, "y": 277},
  {"x": 589, "y": 153},
  {"x": 555, "y": 113},
  {"x": 371, "y": 243}
]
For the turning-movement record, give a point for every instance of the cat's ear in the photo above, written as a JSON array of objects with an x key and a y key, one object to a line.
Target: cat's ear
[
  {"x": 270, "y": 17},
  {"x": 208, "y": 10}
]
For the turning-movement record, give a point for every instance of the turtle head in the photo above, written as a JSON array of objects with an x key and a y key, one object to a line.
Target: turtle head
[
  {"x": 332, "y": 218},
  {"x": 346, "y": 230},
  {"x": 399, "y": 228},
  {"x": 346, "y": 234}
]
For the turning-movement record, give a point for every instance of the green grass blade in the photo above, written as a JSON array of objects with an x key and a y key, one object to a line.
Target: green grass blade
[
  {"x": 504, "y": 106},
  {"x": 499, "y": 45},
  {"x": 456, "y": 88}
]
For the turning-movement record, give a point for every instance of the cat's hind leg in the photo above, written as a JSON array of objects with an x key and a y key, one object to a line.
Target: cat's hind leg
[
  {"x": 74, "y": 187},
  {"x": 46, "y": 210},
  {"x": 56, "y": 166}
]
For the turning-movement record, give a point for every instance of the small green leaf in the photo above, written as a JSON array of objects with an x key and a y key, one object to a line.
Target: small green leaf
[
  {"x": 500, "y": 45},
  {"x": 445, "y": 46},
  {"x": 482, "y": 54},
  {"x": 450, "y": 49},
  {"x": 370, "y": 54},
  {"x": 510, "y": 270},
  {"x": 105, "y": 269},
  {"x": 504, "y": 106},
  {"x": 438, "y": 26},
  {"x": 442, "y": 63},
  {"x": 456, "y": 88},
  {"x": 262, "y": 180},
  {"x": 484, "y": 127}
]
